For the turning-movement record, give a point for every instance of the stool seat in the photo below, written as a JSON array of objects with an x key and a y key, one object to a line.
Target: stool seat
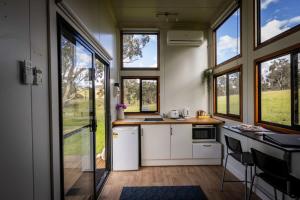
[{"x": 245, "y": 158}]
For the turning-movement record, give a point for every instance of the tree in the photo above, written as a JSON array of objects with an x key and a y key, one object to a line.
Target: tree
[
  {"x": 133, "y": 45},
  {"x": 221, "y": 85},
  {"x": 277, "y": 75}
]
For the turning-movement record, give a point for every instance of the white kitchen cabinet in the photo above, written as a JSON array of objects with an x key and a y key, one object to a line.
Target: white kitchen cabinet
[
  {"x": 155, "y": 142},
  {"x": 181, "y": 141}
]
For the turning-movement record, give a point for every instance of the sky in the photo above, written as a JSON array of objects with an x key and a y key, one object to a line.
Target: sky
[
  {"x": 149, "y": 53},
  {"x": 277, "y": 16},
  {"x": 228, "y": 38}
]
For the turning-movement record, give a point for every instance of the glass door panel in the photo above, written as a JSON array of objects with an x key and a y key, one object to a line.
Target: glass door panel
[
  {"x": 100, "y": 105},
  {"x": 77, "y": 115}
]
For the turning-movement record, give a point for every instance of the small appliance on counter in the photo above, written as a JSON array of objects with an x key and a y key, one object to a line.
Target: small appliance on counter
[
  {"x": 174, "y": 114},
  {"x": 201, "y": 114},
  {"x": 186, "y": 112}
]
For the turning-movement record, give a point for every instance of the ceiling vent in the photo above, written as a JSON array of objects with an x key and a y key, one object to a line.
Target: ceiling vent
[{"x": 185, "y": 38}]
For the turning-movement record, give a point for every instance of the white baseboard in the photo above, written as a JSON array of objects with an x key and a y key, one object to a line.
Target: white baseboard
[{"x": 181, "y": 162}]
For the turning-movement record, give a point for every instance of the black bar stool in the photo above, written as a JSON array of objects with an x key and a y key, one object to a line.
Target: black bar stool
[
  {"x": 245, "y": 158},
  {"x": 276, "y": 173}
]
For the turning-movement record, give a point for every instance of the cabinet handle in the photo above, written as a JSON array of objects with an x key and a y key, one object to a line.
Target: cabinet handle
[
  {"x": 207, "y": 145},
  {"x": 171, "y": 131},
  {"x": 142, "y": 134}
]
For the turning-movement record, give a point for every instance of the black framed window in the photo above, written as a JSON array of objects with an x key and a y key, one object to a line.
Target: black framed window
[
  {"x": 140, "y": 50},
  {"x": 228, "y": 90},
  {"x": 276, "y": 18},
  {"x": 228, "y": 38},
  {"x": 140, "y": 94},
  {"x": 278, "y": 91}
]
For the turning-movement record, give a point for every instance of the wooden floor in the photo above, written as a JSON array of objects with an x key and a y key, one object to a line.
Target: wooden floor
[{"x": 207, "y": 177}]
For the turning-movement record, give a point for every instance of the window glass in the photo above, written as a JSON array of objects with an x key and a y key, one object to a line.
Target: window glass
[
  {"x": 131, "y": 94},
  {"x": 149, "y": 95},
  {"x": 277, "y": 16},
  {"x": 276, "y": 90},
  {"x": 221, "y": 94},
  {"x": 298, "y": 88},
  {"x": 76, "y": 84},
  {"x": 140, "y": 50},
  {"x": 228, "y": 38},
  {"x": 234, "y": 93}
]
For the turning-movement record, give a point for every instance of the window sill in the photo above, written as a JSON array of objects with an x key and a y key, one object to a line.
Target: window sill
[
  {"x": 228, "y": 61},
  {"x": 237, "y": 119}
]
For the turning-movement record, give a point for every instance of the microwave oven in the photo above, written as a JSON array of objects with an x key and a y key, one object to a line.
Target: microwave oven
[{"x": 204, "y": 133}]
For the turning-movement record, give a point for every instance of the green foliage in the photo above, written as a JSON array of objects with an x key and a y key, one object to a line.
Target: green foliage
[
  {"x": 206, "y": 75},
  {"x": 277, "y": 75},
  {"x": 133, "y": 45}
]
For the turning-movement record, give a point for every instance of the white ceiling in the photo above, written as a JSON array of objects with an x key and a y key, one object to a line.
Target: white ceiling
[{"x": 195, "y": 11}]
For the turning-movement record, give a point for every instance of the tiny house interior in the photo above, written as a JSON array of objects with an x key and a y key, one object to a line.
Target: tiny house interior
[{"x": 147, "y": 99}]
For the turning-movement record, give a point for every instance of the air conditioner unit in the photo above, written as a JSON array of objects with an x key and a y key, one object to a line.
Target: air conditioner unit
[{"x": 185, "y": 38}]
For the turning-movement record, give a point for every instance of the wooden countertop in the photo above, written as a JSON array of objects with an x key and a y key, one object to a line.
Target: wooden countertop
[{"x": 194, "y": 120}]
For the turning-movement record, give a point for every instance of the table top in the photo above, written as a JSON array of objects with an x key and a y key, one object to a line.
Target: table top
[{"x": 258, "y": 136}]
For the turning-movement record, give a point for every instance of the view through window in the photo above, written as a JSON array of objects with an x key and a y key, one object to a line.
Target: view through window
[
  {"x": 228, "y": 38},
  {"x": 139, "y": 50},
  {"x": 140, "y": 94},
  {"x": 227, "y": 94},
  {"x": 276, "y": 17}
]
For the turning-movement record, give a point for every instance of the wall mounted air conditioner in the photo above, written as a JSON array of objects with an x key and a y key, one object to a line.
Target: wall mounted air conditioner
[{"x": 185, "y": 38}]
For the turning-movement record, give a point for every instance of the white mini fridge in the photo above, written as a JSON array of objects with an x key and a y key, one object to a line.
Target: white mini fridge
[{"x": 125, "y": 148}]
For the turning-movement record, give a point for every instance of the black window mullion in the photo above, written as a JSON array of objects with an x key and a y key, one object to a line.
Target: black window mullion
[
  {"x": 141, "y": 95},
  {"x": 294, "y": 90},
  {"x": 227, "y": 94},
  {"x": 259, "y": 92},
  {"x": 258, "y": 23}
]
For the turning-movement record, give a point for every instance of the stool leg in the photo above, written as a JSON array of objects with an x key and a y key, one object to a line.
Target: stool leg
[
  {"x": 275, "y": 193},
  {"x": 251, "y": 186},
  {"x": 283, "y": 196},
  {"x": 246, "y": 182},
  {"x": 222, "y": 184}
]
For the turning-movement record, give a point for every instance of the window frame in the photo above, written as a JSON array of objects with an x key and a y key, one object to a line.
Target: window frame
[
  {"x": 141, "y": 78},
  {"x": 257, "y": 29},
  {"x": 234, "y": 117},
  {"x": 215, "y": 37},
  {"x": 294, "y": 128},
  {"x": 157, "y": 33}
]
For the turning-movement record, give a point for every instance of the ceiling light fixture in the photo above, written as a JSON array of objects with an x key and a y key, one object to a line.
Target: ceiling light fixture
[{"x": 168, "y": 16}]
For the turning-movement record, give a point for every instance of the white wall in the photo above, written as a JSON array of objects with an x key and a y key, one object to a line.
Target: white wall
[
  {"x": 97, "y": 17},
  {"x": 180, "y": 76},
  {"x": 247, "y": 60},
  {"x": 24, "y": 118}
]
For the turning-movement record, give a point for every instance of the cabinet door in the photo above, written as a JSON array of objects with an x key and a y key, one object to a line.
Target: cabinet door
[
  {"x": 181, "y": 141},
  {"x": 155, "y": 142}
]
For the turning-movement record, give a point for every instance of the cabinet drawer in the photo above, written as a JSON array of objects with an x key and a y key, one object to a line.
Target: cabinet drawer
[{"x": 206, "y": 150}]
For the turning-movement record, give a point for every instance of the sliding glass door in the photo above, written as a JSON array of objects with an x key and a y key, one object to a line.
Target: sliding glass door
[
  {"x": 101, "y": 137},
  {"x": 84, "y": 116}
]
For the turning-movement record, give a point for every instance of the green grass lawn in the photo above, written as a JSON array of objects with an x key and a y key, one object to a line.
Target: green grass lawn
[
  {"x": 79, "y": 143},
  {"x": 136, "y": 107},
  {"x": 234, "y": 104},
  {"x": 276, "y": 106}
]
